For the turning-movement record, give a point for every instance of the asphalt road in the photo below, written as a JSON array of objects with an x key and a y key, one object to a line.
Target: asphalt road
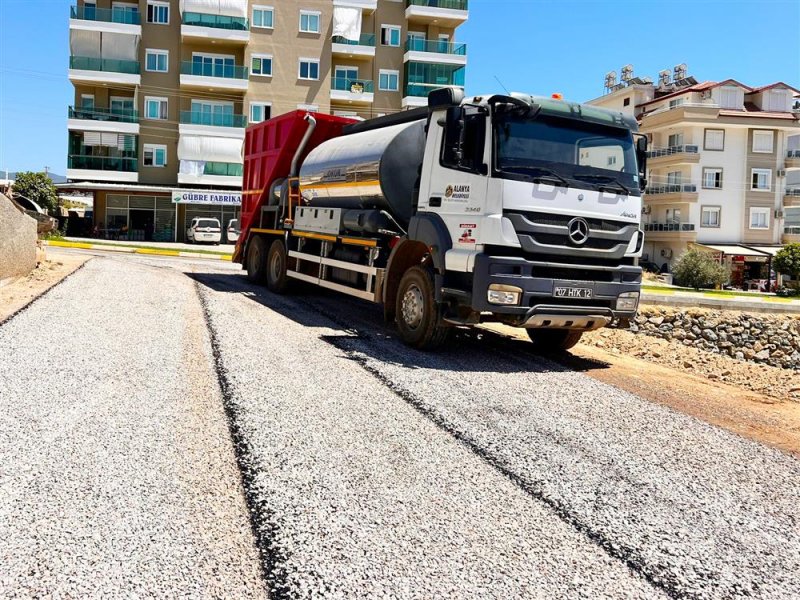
[{"x": 369, "y": 470}]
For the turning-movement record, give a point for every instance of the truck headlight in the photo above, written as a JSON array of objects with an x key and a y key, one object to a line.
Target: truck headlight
[
  {"x": 628, "y": 301},
  {"x": 504, "y": 294}
]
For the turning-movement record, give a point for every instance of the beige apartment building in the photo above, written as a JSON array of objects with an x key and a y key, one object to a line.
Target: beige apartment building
[
  {"x": 720, "y": 156},
  {"x": 164, "y": 90}
]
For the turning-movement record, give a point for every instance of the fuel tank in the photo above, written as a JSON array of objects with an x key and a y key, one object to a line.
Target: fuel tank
[{"x": 375, "y": 169}]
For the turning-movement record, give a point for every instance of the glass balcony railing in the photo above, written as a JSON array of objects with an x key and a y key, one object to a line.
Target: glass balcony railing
[
  {"x": 214, "y": 70},
  {"x": 440, "y": 46},
  {"x": 89, "y": 12},
  {"x": 119, "y": 115},
  {"x": 224, "y": 169},
  {"x": 111, "y": 65},
  {"x": 791, "y": 191},
  {"x": 451, "y": 4},
  {"x": 354, "y": 86},
  {"x": 102, "y": 163},
  {"x": 421, "y": 90},
  {"x": 216, "y": 21},
  {"x": 192, "y": 117},
  {"x": 365, "y": 39},
  {"x": 671, "y": 188},
  {"x": 793, "y": 154},
  {"x": 678, "y": 227},
  {"x": 791, "y": 230},
  {"x": 670, "y": 150}
]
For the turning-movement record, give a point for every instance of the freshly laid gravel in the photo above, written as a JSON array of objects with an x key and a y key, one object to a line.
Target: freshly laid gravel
[
  {"x": 117, "y": 472},
  {"x": 358, "y": 495}
]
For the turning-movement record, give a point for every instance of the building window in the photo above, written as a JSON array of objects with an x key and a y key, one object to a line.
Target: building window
[
  {"x": 158, "y": 12},
  {"x": 260, "y": 111},
  {"x": 309, "y": 68},
  {"x": 155, "y": 155},
  {"x": 263, "y": 17},
  {"x": 157, "y": 60},
  {"x": 155, "y": 108},
  {"x": 626, "y": 102},
  {"x": 759, "y": 218},
  {"x": 390, "y": 35},
  {"x": 712, "y": 179},
  {"x": 761, "y": 180},
  {"x": 676, "y": 102},
  {"x": 309, "y": 21},
  {"x": 261, "y": 64},
  {"x": 762, "y": 141},
  {"x": 714, "y": 139},
  {"x": 389, "y": 81},
  {"x": 674, "y": 178},
  {"x": 710, "y": 216},
  {"x": 676, "y": 139}
]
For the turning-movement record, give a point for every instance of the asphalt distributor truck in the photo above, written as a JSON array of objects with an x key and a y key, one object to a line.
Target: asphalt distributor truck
[{"x": 508, "y": 208}]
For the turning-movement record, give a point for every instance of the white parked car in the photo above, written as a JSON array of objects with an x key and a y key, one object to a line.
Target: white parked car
[
  {"x": 233, "y": 231},
  {"x": 204, "y": 229}
]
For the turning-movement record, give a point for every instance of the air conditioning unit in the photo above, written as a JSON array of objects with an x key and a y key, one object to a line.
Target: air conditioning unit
[
  {"x": 781, "y": 172},
  {"x": 778, "y": 214},
  {"x": 666, "y": 253},
  {"x": 647, "y": 210}
]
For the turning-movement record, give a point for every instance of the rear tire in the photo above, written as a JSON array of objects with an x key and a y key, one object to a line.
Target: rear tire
[
  {"x": 257, "y": 260},
  {"x": 276, "y": 264},
  {"x": 554, "y": 340},
  {"x": 417, "y": 314}
]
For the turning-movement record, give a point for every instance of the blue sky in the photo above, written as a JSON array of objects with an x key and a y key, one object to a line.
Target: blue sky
[{"x": 536, "y": 46}]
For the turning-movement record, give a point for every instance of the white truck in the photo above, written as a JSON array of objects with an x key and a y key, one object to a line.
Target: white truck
[{"x": 508, "y": 208}]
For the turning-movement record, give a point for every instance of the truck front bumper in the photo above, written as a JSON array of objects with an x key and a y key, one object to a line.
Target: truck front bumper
[{"x": 538, "y": 305}]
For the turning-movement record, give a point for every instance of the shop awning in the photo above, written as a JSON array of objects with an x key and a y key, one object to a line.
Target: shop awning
[
  {"x": 771, "y": 250},
  {"x": 228, "y": 8},
  {"x": 733, "y": 249}
]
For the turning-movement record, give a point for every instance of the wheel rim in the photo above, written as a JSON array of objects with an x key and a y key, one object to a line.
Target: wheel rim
[
  {"x": 275, "y": 267},
  {"x": 413, "y": 306},
  {"x": 255, "y": 259}
]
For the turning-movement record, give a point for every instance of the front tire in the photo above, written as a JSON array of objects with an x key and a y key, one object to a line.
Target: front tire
[
  {"x": 417, "y": 314},
  {"x": 276, "y": 265},
  {"x": 554, "y": 340},
  {"x": 257, "y": 260}
]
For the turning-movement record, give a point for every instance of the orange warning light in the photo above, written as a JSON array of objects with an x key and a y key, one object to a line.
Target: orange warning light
[{"x": 557, "y": 96}]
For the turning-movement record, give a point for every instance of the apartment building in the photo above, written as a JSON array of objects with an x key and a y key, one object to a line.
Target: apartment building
[
  {"x": 164, "y": 90},
  {"x": 719, "y": 157}
]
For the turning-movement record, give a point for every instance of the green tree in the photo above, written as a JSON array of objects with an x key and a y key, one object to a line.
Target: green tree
[
  {"x": 696, "y": 268},
  {"x": 37, "y": 187},
  {"x": 787, "y": 261}
]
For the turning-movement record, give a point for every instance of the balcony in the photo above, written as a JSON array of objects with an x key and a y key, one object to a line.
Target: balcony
[
  {"x": 113, "y": 20},
  {"x": 792, "y": 159},
  {"x": 445, "y": 13},
  {"x": 91, "y": 71},
  {"x": 220, "y": 125},
  {"x": 791, "y": 235},
  {"x": 435, "y": 51},
  {"x": 368, "y": 6},
  {"x": 202, "y": 27},
  {"x": 353, "y": 91},
  {"x": 102, "y": 168},
  {"x": 673, "y": 155},
  {"x": 655, "y": 232},
  {"x": 216, "y": 173},
  {"x": 364, "y": 48},
  {"x": 791, "y": 197},
  {"x": 103, "y": 119},
  {"x": 671, "y": 193},
  {"x": 212, "y": 77}
]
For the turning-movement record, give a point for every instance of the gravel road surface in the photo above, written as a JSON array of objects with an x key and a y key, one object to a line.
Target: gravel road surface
[
  {"x": 370, "y": 470},
  {"x": 118, "y": 477}
]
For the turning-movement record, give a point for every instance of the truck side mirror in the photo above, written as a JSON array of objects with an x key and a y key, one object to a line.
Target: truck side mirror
[{"x": 641, "y": 159}]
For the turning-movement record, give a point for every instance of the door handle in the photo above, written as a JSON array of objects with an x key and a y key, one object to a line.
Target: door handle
[{"x": 435, "y": 201}]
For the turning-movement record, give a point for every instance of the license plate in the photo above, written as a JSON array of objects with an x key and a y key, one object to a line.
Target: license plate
[{"x": 579, "y": 293}]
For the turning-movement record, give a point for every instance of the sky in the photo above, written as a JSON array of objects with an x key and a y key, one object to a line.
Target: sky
[{"x": 534, "y": 46}]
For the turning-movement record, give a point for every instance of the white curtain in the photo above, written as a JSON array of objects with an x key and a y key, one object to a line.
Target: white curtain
[
  {"x": 347, "y": 22},
  {"x": 94, "y": 44},
  {"x": 229, "y": 8},
  {"x": 211, "y": 149},
  {"x": 193, "y": 167}
]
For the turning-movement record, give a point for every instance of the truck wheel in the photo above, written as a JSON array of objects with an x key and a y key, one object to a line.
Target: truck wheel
[
  {"x": 277, "y": 280},
  {"x": 417, "y": 313},
  {"x": 554, "y": 340},
  {"x": 257, "y": 260}
]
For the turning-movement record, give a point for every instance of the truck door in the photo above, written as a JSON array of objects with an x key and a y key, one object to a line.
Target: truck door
[{"x": 454, "y": 184}]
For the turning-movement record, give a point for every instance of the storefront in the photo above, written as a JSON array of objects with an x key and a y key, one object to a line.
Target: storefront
[
  {"x": 750, "y": 266},
  {"x": 217, "y": 204}
]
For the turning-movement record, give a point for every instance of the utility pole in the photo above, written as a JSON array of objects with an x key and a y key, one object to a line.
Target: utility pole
[{"x": 46, "y": 170}]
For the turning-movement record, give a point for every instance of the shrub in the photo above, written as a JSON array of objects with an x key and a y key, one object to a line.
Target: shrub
[
  {"x": 787, "y": 261},
  {"x": 37, "y": 187},
  {"x": 697, "y": 269}
]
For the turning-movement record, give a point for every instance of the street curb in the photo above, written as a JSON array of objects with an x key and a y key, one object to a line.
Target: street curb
[
  {"x": 676, "y": 300},
  {"x": 134, "y": 250}
]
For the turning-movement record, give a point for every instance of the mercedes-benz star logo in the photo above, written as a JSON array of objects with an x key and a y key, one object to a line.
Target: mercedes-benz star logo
[{"x": 578, "y": 230}]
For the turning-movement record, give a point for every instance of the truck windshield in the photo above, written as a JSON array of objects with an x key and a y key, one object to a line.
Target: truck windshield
[{"x": 581, "y": 154}]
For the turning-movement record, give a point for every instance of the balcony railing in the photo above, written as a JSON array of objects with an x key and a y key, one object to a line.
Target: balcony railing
[
  {"x": 110, "y": 65},
  {"x": 223, "y": 169},
  {"x": 354, "y": 86},
  {"x": 214, "y": 70},
  {"x": 451, "y": 4},
  {"x": 365, "y": 39},
  {"x": 676, "y": 227},
  {"x": 118, "y": 115},
  {"x": 670, "y": 150},
  {"x": 190, "y": 117},
  {"x": 102, "y": 163},
  {"x": 793, "y": 154},
  {"x": 791, "y": 230},
  {"x": 89, "y": 12},
  {"x": 440, "y": 46},
  {"x": 670, "y": 188},
  {"x": 422, "y": 90},
  {"x": 216, "y": 21},
  {"x": 792, "y": 192}
]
